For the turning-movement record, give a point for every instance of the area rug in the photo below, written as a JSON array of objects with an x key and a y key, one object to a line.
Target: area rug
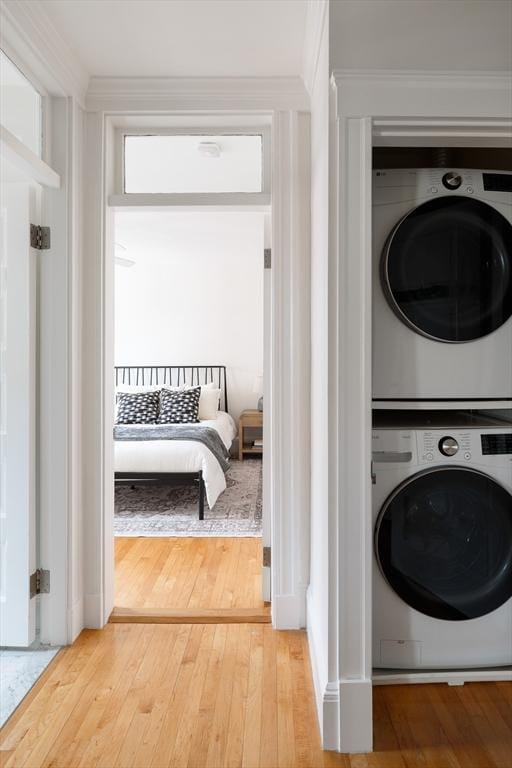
[{"x": 159, "y": 510}]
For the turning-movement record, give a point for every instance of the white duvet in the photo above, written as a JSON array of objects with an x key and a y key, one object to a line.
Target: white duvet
[{"x": 179, "y": 456}]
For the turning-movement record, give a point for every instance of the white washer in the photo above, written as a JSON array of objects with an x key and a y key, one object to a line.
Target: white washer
[
  {"x": 442, "y": 284},
  {"x": 442, "y": 568}
]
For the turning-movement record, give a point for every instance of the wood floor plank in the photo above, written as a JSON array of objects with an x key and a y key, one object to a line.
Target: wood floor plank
[
  {"x": 238, "y": 704},
  {"x": 172, "y": 574},
  {"x": 163, "y": 693},
  {"x": 201, "y": 734},
  {"x": 233, "y": 696},
  {"x": 252, "y": 725}
]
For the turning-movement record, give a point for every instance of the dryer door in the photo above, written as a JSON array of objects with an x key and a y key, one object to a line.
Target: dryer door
[
  {"x": 446, "y": 269},
  {"x": 443, "y": 541}
]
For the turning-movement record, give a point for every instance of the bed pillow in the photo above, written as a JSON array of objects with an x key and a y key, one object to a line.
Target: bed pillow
[
  {"x": 179, "y": 407},
  {"x": 137, "y": 407},
  {"x": 209, "y": 401}
]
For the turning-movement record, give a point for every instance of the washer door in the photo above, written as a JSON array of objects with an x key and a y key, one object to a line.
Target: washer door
[
  {"x": 443, "y": 541},
  {"x": 446, "y": 269}
]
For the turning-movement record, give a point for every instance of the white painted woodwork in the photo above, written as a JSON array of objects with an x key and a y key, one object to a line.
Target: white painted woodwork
[
  {"x": 259, "y": 201},
  {"x": 287, "y": 395},
  {"x": 24, "y": 161},
  {"x": 59, "y": 383},
  {"x": 195, "y": 94},
  {"x": 31, "y": 40},
  {"x": 360, "y": 100},
  {"x": 18, "y": 496},
  {"x": 290, "y": 359},
  {"x": 266, "y": 532}
]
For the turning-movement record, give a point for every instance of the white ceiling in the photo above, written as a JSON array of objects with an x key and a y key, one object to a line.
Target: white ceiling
[{"x": 183, "y": 38}]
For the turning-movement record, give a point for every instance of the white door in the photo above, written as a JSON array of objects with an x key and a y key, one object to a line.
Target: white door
[{"x": 20, "y": 205}]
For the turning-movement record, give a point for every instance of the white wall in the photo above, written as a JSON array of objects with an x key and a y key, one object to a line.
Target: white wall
[
  {"x": 194, "y": 294},
  {"x": 424, "y": 34},
  {"x": 318, "y": 584}
]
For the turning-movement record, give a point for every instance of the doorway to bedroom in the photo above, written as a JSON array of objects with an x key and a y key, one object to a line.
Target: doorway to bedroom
[{"x": 189, "y": 339}]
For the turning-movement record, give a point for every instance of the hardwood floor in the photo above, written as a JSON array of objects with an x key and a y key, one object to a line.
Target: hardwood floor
[
  {"x": 184, "y": 577},
  {"x": 206, "y": 696}
]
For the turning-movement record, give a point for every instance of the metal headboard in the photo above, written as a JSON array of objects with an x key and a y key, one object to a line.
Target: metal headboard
[{"x": 173, "y": 376}]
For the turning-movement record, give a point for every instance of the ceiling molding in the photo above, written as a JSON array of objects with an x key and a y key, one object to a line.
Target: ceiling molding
[
  {"x": 316, "y": 18},
  {"x": 30, "y": 37},
  {"x": 191, "y": 93},
  {"x": 423, "y": 94}
]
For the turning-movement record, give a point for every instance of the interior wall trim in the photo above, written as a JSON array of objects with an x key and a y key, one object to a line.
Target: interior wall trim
[
  {"x": 364, "y": 102},
  {"x": 288, "y": 438},
  {"x": 196, "y": 93},
  {"x": 28, "y": 32}
]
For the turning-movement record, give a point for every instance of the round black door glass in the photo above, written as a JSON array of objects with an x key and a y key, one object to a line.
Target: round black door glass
[
  {"x": 447, "y": 269},
  {"x": 443, "y": 541}
]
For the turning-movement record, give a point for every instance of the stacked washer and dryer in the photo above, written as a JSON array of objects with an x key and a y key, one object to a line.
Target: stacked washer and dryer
[{"x": 442, "y": 437}]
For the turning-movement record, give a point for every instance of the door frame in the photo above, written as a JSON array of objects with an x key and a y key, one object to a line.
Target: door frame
[
  {"x": 373, "y": 108},
  {"x": 287, "y": 399}
]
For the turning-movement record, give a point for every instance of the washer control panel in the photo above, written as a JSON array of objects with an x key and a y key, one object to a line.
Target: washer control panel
[
  {"x": 490, "y": 446},
  {"x": 453, "y": 445}
]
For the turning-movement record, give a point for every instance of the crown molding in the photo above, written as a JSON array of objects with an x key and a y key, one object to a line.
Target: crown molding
[
  {"x": 191, "y": 93},
  {"x": 423, "y": 94},
  {"x": 31, "y": 39},
  {"x": 316, "y": 18}
]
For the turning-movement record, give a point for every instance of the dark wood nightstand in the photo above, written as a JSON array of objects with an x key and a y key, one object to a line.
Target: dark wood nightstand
[{"x": 252, "y": 419}]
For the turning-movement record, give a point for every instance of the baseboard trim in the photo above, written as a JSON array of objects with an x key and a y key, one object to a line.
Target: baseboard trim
[
  {"x": 289, "y": 611},
  {"x": 326, "y": 694},
  {"x": 76, "y": 619},
  {"x": 356, "y": 715},
  {"x": 93, "y": 614},
  {"x": 192, "y": 616}
]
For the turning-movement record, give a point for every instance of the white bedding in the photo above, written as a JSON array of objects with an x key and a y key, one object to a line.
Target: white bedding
[{"x": 179, "y": 456}]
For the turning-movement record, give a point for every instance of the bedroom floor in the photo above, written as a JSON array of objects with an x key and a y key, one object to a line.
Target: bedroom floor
[{"x": 194, "y": 574}]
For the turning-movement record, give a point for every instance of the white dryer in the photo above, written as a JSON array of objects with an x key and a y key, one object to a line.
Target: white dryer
[
  {"x": 442, "y": 284},
  {"x": 442, "y": 570}
]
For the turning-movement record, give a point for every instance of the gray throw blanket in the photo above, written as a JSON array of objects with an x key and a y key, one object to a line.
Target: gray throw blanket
[{"x": 205, "y": 435}]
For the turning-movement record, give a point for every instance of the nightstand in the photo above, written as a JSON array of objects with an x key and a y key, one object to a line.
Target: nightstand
[{"x": 252, "y": 419}]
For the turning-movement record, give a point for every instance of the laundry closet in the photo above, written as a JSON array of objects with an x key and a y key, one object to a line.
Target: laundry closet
[{"x": 442, "y": 414}]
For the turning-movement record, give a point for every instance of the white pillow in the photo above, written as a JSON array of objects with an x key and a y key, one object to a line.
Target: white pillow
[{"x": 208, "y": 401}]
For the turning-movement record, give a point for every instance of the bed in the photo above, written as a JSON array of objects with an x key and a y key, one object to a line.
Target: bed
[{"x": 182, "y": 455}]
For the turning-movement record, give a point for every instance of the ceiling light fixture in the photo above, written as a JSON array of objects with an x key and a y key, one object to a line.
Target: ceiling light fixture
[{"x": 208, "y": 149}]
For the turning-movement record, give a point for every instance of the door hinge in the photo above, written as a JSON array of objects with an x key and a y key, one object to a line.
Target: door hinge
[
  {"x": 267, "y": 258},
  {"x": 266, "y": 557},
  {"x": 39, "y": 582},
  {"x": 39, "y": 237}
]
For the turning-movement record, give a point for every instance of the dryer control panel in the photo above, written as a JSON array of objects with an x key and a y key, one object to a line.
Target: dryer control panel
[{"x": 391, "y": 186}]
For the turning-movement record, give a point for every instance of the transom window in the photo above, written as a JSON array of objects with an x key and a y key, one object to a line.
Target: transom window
[{"x": 193, "y": 163}]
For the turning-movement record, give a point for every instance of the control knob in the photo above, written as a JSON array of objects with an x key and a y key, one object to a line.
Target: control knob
[
  {"x": 452, "y": 180},
  {"x": 448, "y": 446}
]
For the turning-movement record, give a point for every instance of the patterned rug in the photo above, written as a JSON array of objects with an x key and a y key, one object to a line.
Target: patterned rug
[{"x": 159, "y": 510}]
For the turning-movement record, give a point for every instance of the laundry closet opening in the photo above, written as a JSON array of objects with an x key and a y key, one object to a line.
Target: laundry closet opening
[
  {"x": 442, "y": 414},
  {"x": 190, "y": 334}
]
